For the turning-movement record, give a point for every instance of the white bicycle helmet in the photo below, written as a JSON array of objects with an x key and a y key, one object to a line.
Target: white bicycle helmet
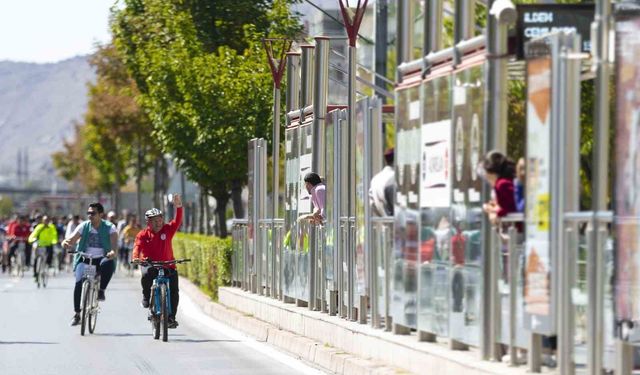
[{"x": 152, "y": 213}]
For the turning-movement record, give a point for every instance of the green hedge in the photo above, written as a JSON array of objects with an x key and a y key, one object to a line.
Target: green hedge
[{"x": 210, "y": 265}]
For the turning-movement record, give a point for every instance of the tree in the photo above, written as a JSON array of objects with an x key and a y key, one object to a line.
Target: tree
[
  {"x": 6, "y": 206},
  {"x": 114, "y": 132},
  {"x": 206, "y": 99}
]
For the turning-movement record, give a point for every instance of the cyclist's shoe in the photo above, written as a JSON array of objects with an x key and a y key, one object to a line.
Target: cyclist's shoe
[
  {"x": 144, "y": 303},
  {"x": 75, "y": 320},
  {"x": 172, "y": 323},
  {"x": 101, "y": 296}
]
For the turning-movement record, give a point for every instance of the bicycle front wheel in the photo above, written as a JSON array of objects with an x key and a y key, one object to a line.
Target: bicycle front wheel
[
  {"x": 155, "y": 317},
  {"x": 86, "y": 298},
  {"x": 20, "y": 263},
  {"x": 164, "y": 318},
  {"x": 93, "y": 312}
]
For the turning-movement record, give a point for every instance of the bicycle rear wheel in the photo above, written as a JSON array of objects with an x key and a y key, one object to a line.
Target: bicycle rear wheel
[
  {"x": 20, "y": 263},
  {"x": 164, "y": 318},
  {"x": 86, "y": 291},
  {"x": 155, "y": 317},
  {"x": 38, "y": 271},
  {"x": 44, "y": 276},
  {"x": 93, "y": 313}
]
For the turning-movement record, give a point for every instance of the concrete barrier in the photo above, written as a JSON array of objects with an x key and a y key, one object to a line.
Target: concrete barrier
[{"x": 334, "y": 344}]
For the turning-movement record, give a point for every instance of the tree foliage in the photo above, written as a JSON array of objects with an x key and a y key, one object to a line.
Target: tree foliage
[
  {"x": 114, "y": 127},
  {"x": 204, "y": 79}
]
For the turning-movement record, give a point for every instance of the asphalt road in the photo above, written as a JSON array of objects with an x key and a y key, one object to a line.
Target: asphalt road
[{"x": 35, "y": 336}]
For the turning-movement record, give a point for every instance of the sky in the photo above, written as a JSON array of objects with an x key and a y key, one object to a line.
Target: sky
[{"x": 45, "y": 31}]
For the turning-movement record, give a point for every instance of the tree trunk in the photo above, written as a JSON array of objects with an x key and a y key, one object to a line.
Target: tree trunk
[
  {"x": 236, "y": 198},
  {"x": 139, "y": 183},
  {"x": 222, "y": 198},
  {"x": 156, "y": 183},
  {"x": 201, "y": 212}
]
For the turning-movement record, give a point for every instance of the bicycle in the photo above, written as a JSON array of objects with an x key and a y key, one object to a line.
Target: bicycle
[
  {"x": 124, "y": 264},
  {"x": 160, "y": 301},
  {"x": 41, "y": 267},
  {"x": 18, "y": 262},
  {"x": 89, "y": 298}
]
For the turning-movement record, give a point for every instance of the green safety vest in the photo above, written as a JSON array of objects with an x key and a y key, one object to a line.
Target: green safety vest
[{"x": 103, "y": 231}]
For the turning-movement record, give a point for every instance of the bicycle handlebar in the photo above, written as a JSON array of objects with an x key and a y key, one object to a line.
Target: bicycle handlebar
[
  {"x": 159, "y": 263},
  {"x": 82, "y": 254}
]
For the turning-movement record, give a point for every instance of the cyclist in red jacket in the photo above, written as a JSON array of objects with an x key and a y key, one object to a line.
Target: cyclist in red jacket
[{"x": 154, "y": 243}]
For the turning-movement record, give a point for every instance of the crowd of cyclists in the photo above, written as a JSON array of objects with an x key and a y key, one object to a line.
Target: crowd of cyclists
[
  {"x": 99, "y": 240},
  {"x": 22, "y": 235}
]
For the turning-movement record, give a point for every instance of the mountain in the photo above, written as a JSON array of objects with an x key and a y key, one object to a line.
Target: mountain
[{"x": 38, "y": 105}]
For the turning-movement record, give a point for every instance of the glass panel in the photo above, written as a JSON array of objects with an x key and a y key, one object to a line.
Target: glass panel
[
  {"x": 292, "y": 181},
  {"x": 329, "y": 210},
  {"x": 466, "y": 243},
  {"x": 437, "y": 229},
  {"x": 407, "y": 221},
  {"x": 362, "y": 108},
  {"x": 252, "y": 226},
  {"x": 304, "y": 207}
]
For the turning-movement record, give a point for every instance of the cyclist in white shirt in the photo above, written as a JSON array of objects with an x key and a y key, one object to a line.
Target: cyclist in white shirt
[{"x": 97, "y": 237}]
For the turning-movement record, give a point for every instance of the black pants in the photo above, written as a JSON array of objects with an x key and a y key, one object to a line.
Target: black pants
[
  {"x": 49, "y": 257},
  {"x": 105, "y": 268},
  {"x": 13, "y": 248},
  {"x": 149, "y": 274}
]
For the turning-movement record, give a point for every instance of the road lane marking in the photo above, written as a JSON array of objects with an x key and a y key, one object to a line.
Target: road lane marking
[{"x": 189, "y": 308}]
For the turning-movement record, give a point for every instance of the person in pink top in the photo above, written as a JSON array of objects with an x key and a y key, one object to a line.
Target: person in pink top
[
  {"x": 499, "y": 172},
  {"x": 314, "y": 185}
]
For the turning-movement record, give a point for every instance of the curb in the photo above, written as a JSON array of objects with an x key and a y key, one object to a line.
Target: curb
[{"x": 323, "y": 356}]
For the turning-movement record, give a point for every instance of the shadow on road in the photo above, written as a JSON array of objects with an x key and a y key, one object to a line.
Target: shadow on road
[
  {"x": 126, "y": 334},
  {"x": 201, "y": 341},
  {"x": 28, "y": 343}
]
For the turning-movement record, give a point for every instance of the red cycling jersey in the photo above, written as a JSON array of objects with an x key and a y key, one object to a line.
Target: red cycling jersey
[
  {"x": 21, "y": 231},
  {"x": 157, "y": 246}
]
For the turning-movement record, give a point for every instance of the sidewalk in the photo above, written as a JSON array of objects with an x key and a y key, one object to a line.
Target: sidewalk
[{"x": 334, "y": 344}]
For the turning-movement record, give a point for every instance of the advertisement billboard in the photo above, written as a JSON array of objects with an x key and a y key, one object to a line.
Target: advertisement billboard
[
  {"x": 538, "y": 256},
  {"x": 627, "y": 179}
]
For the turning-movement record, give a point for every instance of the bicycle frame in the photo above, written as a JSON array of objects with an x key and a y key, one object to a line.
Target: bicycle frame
[{"x": 160, "y": 280}]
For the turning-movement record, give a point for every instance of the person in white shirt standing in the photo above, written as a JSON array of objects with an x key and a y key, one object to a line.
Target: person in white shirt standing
[{"x": 383, "y": 187}]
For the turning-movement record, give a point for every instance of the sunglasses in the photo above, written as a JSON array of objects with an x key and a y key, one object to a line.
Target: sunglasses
[{"x": 91, "y": 213}]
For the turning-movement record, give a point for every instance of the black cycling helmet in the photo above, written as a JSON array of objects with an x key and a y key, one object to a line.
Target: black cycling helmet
[{"x": 152, "y": 213}]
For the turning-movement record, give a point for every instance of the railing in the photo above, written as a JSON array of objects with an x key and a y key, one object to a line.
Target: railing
[
  {"x": 509, "y": 240},
  {"x": 382, "y": 245},
  {"x": 579, "y": 231},
  {"x": 322, "y": 275},
  {"x": 239, "y": 263},
  {"x": 270, "y": 236}
]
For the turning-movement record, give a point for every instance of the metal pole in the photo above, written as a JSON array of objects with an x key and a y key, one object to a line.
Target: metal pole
[
  {"x": 513, "y": 290},
  {"x": 275, "y": 191},
  {"x": 404, "y": 41},
  {"x": 464, "y": 17},
  {"x": 293, "y": 82},
  {"x": 306, "y": 86},
  {"x": 595, "y": 280},
  {"x": 351, "y": 125},
  {"x": 380, "y": 62},
  {"x": 569, "y": 138},
  {"x": 433, "y": 27},
  {"x": 321, "y": 89},
  {"x": 501, "y": 15}
]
